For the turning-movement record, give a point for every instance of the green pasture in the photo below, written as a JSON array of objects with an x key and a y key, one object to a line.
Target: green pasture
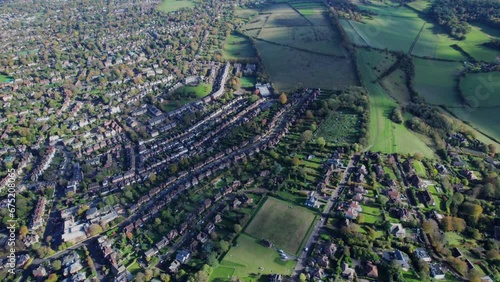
[
  {"x": 436, "y": 81},
  {"x": 283, "y": 223},
  {"x": 238, "y": 47},
  {"x": 385, "y": 135},
  {"x": 174, "y": 5}
]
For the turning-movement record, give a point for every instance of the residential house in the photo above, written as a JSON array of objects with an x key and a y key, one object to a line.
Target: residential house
[
  {"x": 397, "y": 230},
  {"x": 183, "y": 256},
  {"x": 436, "y": 271},
  {"x": 371, "y": 270}
]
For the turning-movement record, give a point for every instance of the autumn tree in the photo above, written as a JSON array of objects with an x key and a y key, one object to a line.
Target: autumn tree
[
  {"x": 283, "y": 98},
  {"x": 23, "y": 231},
  {"x": 306, "y": 136}
]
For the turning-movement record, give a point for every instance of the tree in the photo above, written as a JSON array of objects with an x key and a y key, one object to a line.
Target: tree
[
  {"x": 237, "y": 228},
  {"x": 397, "y": 116},
  {"x": 56, "y": 265},
  {"x": 295, "y": 161},
  {"x": 321, "y": 142},
  {"x": 492, "y": 149},
  {"x": 95, "y": 229},
  {"x": 302, "y": 277},
  {"x": 52, "y": 278},
  {"x": 306, "y": 136},
  {"x": 165, "y": 277},
  {"x": 418, "y": 156},
  {"x": 223, "y": 246},
  {"x": 23, "y": 231},
  {"x": 283, "y": 98}
]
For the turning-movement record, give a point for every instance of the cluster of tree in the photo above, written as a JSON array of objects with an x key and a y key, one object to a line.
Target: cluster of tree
[
  {"x": 493, "y": 43},
  {"x": 456, "y": 15},
  {"x": 346, "y": 9}
]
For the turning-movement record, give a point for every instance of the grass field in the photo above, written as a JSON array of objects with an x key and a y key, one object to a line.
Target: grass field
[
  {"x": 370, "y": 214},
  {"x": 247, "y": 257},
  {"x": 395, "y": 85},
  {"x": 435, "y": 81},
  {"x": 4, "y": 78},
  {"x": 486, "y": 120},
  {"x": 298, "y": 52},
  {"x": 247, "y": 81},
  {"x": 385, "y": 135},
  {"x": 283, "y": 223},
  {"x": 482, "y": 89},
  {"x": 198, "y": 91},
  {"x": 340, "y": 128},
  {"x": 290, "y": 68},
  {"x": 174, "y": 5},
  {"x": 320, "y": 39},
  {"x": 419, "y": 168},
  {"x": 238, "y": 47}
]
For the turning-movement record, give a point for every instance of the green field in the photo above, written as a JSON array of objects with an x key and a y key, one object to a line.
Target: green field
[
  {"x": 283, "y": 223},
  {"x": 436, "y": 81},
  {"x": 419, "y": 168},
  {"x": 290, "y": 68},
  {"x": 298, "y": 52},
  {"x": 395, "y": 85},
  {"x": 238, "y": 47},
  {"x": 340, "y": 128},
  {"x": 385, "y": 135},
  {"x": 248, "y": 81},
  {"x": 486, "y": 120},
  {"x": 198, "y": 91},
  {"x": 482, "y": 89},
  {"x": 247, "y": 258},
  {"x": 394, "y": 33},
  {"x": 174, "y": 5},
  {"x": 4, "y": 78}
]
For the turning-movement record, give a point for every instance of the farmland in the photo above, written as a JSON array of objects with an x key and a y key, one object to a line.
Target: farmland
[
  {"x": 284, "y": 224},
  {"x": 436, "y": 81},
  {"x": 385, "y": 135},
  {"x": 482, "y": 89},
  {"x": 174, "y": 5},
  {"x": 300, "y": 50},
  {"x": 238, "y": 47},
  {"x": 247, "y": 256}
]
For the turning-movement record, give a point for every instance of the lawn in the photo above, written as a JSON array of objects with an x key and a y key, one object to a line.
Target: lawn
[
  {"x": 248, "y": 81},
  {"x": 247, "y": 257},
  {"x": 194, "y": 92},
  {"x": 436, "y": 81},
  {"x": 340, "y": 128},
  {"x": 454, "y": 238},
  {"x": 284, "y": 224},
  {"x": 482, "y": 89},
  {"x": 370, "y": 214},
  {"x": 4, "y": 78},
  {"x": 419, "y": 167},
  {"x": 174, "y": 5},
  {"x": 385, "y": 135},
  {"x": 238, "y": 47}
]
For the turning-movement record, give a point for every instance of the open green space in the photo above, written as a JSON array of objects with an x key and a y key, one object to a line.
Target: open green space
[
  {"x": 419, "y": 168},
  {"x": 435, "y": 43},
  {"x": 436, "y": 81},
  {"x": 420, "y": 5},
  {"x": 395, "y": 85},
  {"x": 249, "y": 257},
  {"x": 4, "y": 78},
  {"x": 174, "y": 5},
  {"x": 238, "y": 47},
  {"x": 393, "y": 33},
  {"x": 297, "y": 53},
  {"x": 290, "y": 68},
  {"x": 320, "y": 39},
  {"x": 340, "y": 128},
  {"x": 248, "y": 81},
  {"x": 486, "y": 120},
  {"x": 385, "y": 135},
  {"x": 198, "y": 91},
  {"x": 482, "y": 89},
  {"x": 283, "y": 223}
]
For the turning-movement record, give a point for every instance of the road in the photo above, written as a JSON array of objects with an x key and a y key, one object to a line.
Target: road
[{"x": 302, "y": 258}]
